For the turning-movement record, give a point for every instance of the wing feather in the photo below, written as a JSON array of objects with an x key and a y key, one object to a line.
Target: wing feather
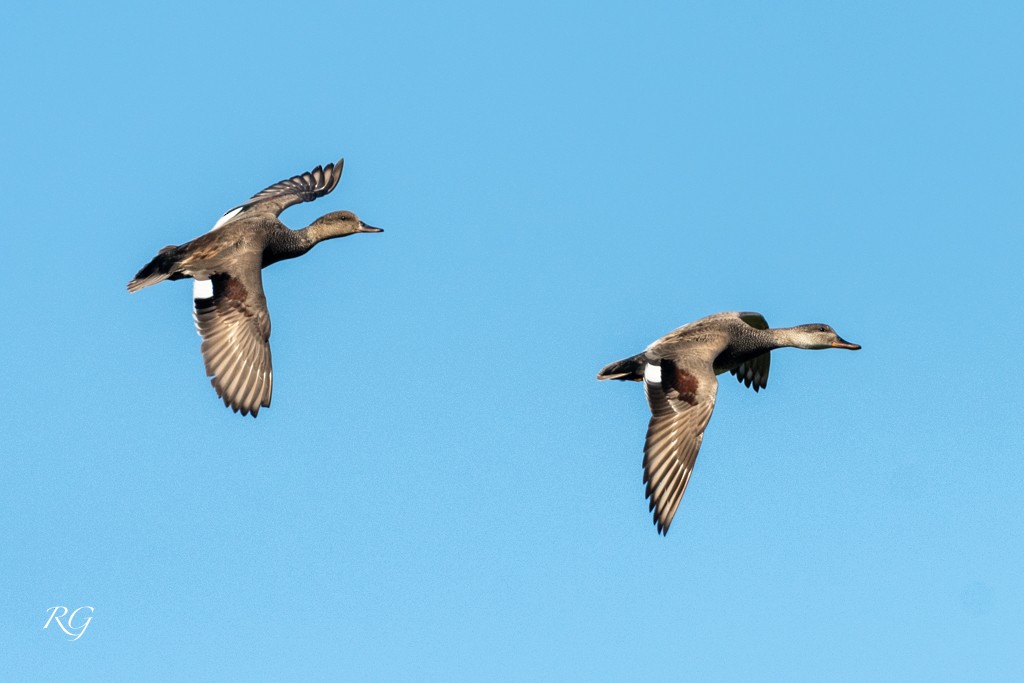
[
  {"x": 681, "y": 401},
  {"x": 754, "y": 372},
  {"x": 235, "y": 326},
  {"x": 304, "y": 187},
  {"x": 755, "y": 320}
]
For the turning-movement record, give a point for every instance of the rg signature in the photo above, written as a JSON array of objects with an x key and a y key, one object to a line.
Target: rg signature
[{"x": 73, "y": 626}]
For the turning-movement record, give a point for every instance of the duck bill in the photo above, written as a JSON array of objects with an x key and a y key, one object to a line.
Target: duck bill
[
  {"x": 363, "y": 227},
  {"x": 843, "y": 344}
]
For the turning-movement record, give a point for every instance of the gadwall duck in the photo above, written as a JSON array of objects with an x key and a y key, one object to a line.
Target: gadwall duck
[
  {"x": 678, "y": 372},
  {"x": 230, "y": 308}
]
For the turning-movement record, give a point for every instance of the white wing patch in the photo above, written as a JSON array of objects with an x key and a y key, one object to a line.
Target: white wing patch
[
  {"x": 226, "y": 217},
  {"x": 202, "y": 289},
  {"x": 652, "y": 374}
]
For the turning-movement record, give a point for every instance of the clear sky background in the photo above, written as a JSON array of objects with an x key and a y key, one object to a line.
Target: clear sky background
[{"x": 441, "y": 488}]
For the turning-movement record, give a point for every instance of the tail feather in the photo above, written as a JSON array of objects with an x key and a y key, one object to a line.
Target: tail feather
[
  {"x": 160, "y": 268},
  {"x": 627, "y": 370}
]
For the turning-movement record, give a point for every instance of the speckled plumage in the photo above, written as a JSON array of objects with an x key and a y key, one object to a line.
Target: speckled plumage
[
  {"x": 679, "y": 375},
  {"x": 230, "y": 307}
]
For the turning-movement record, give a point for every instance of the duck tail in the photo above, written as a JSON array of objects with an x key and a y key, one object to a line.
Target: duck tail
[
  {"x": 160, "y": 268},
  {"x": 628, "y": 370}
]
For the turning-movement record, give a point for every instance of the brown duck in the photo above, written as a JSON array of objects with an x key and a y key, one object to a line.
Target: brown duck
[
  {"x": 679, "y": 375},
  {"x": 230, "y": 308}
]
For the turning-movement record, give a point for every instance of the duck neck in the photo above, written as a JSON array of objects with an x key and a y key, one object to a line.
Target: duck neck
[
  {"x": 302, "y": 240},
  {"x": 787, "y": 337},
  {"x": 316, "y": 233},
  {"x": 288, "y": 244}
]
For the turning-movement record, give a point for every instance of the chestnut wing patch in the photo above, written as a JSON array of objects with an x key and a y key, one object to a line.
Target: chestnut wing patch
[{"x": 678, "y": 383}]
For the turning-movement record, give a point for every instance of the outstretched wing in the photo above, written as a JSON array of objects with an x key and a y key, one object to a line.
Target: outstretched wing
[
  {"x": 300, "y": 188},
  {"x": 232, "y": 318},
  {"x": 681, "y": 401}
]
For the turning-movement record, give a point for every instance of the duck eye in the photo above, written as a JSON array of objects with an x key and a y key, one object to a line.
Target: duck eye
[{"x": 821, "y": 329}]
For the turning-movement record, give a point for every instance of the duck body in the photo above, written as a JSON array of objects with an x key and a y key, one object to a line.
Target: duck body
[
  {"x": 724, "y": 338},
  {"x": 219, "y": 250},
  {"x": 679, "y": 372},
  {"x": 230, "y": 308}
]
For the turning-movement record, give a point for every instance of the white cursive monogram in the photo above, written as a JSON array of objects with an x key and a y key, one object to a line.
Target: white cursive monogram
[{"x": 68, "y": 626}]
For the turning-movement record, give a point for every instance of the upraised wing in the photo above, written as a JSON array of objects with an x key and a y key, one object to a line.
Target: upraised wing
[{"x": 300, "y": 188}]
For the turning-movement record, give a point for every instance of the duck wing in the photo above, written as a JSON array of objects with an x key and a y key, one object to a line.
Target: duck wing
[
  {"x": 754, "y": 372},
  {"x": 755, "y": 320},
  {"x": 682, "y": 398},
  {"x": 304, "y": 187},
  {"x": 232, "y": 318}
]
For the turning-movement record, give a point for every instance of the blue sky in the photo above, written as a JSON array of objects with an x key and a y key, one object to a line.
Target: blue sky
[{"x": 441, "y": 489}]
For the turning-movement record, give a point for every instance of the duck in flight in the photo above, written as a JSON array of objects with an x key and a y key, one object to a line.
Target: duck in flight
[
  {"x": 230, "y": 308},
  {"x": 679, "y": 375}
]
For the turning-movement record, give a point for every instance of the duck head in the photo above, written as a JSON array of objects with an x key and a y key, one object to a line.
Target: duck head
[
  {"x": 340, "y": 224},
  {"x": 819, "y": 336}
]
